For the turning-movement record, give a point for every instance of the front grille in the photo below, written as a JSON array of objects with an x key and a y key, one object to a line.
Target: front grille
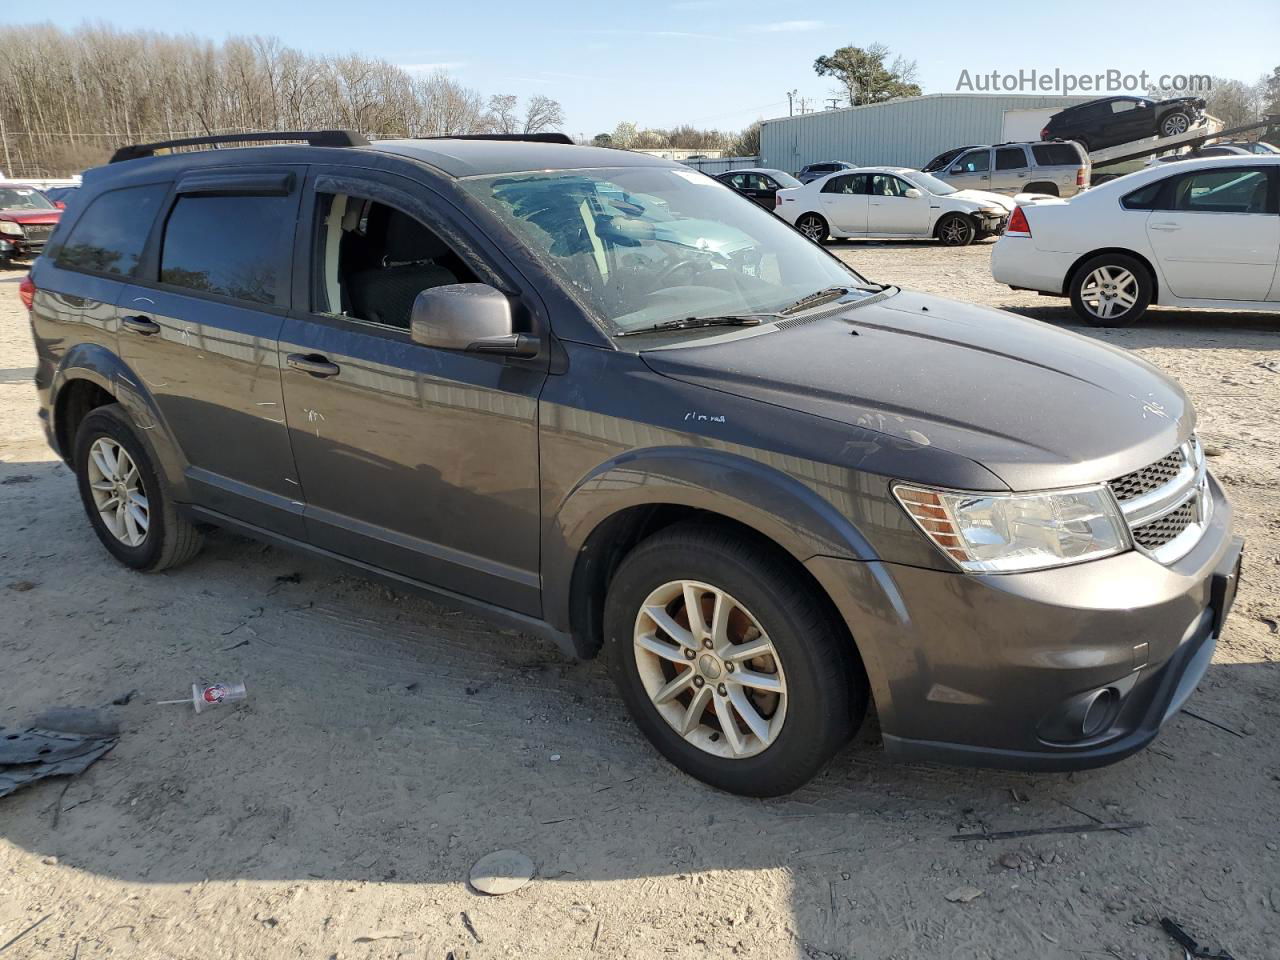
[
  {"x": 1159, "y": 532},
  {"x": 1151, "y": 477}
]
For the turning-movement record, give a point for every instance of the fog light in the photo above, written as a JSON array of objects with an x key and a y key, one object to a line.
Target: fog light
[{"x": 1100, "y": 713}]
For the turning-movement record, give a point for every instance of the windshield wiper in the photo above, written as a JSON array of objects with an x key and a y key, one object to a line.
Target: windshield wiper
[
  {"x": 828, "y": 295},
  {"x": 694, "y": 323}
]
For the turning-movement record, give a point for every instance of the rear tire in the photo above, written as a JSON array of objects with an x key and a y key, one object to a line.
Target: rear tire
[
  {"x": 813, "y": 226},
  {"x": 791, "y": 708},
  {"x": 114, "y": 468},
  {"x": 956, "y": 230},
  {"x": 1111, "y": 290}
]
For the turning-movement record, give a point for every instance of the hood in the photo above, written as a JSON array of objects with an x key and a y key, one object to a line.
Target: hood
[
  {"x": 1037, "y": 406},
  {"x": 983, "y": 199},
  {"x": 31, "y": 216}
]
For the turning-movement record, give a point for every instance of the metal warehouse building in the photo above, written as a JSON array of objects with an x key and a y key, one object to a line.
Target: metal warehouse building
[{"x": 907, "y": 133}]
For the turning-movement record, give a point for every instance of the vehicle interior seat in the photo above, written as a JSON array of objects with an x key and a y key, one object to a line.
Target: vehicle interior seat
[{"x": 412, "y": 260}]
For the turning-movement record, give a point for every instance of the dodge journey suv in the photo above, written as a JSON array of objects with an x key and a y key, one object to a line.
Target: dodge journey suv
[{"x": 610, "y": 401}]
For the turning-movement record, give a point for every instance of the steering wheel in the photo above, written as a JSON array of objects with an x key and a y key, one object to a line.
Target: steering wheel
[{"x": 664, "y": 279}]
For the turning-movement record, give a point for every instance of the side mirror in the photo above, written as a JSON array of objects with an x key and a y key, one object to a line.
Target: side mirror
[
  {"x": 914, "y": 193},
  {"x": 957, "y": 170},
  {"x": 468, "y": 316}
]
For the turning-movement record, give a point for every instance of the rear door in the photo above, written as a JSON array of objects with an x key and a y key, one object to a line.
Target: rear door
[
  {"x": 844, "y": 202},
  {"x": 200, "y": 326},
  {"x": 416, "y": 460},
  {"x": 1011, "y": 170},
  {"x": 1219, "y": 235},
  {"x": 972, "y": 171},
  {"x": 892, "y": 213}
]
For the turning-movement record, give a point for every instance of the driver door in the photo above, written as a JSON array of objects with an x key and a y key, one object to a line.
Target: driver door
[{"x": 416, "y": 460}]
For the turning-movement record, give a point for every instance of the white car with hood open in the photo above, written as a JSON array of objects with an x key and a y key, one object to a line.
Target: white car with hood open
[{"x": 892, "y": 203}]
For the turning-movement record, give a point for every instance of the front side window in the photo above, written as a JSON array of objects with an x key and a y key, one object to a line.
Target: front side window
[
  {"x": 975, "y": 161},
  {"x": 1223, "y": 191},
  {"x": 1122, "y": 106},
  {"x": 24, "y": 198},
  {"x": 885, "y": 185},
  {"x": 1010, "y": 158},
  {"x": 110, "y": 234},
  {"x": 231, "y": 246},
  {"x": 372, "y": 260},
  {"x": 644, "y": 245}
]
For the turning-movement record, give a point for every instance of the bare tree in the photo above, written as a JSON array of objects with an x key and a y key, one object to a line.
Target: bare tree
[
  {"x": 542, "y": 113},
  {"x": 502, "y": 113}
]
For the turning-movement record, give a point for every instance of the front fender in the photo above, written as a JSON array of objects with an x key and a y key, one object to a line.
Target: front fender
[
  {"x": 754, "y": 494},
  {"x": 99, "y": 365}
]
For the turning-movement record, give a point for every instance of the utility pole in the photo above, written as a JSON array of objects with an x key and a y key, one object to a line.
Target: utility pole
[{"x": 791, "y": 101}]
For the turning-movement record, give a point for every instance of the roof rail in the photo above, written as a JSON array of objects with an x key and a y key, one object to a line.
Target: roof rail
[
  {"x": 315, "y": 138},
  {"x": 527, "y": 137}
]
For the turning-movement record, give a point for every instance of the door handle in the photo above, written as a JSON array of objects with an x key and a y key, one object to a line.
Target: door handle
[
  {"x": 139, "y": 324},
  {"x": 312, "y": 363},
  {"x": 1165, "y": 226}
]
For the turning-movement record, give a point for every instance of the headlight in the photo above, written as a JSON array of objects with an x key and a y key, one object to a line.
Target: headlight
[
  {"x": 993, "y": 211},
  {"x": 1009, "y": 532},
  {"x": 9, "y": 228}
]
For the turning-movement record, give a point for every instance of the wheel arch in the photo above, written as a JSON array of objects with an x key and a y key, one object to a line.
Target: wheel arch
[
  {"x": 633, "y": 496},
  {"x": 946, "y": 214},
  {"x": 1123, "y": 251}
]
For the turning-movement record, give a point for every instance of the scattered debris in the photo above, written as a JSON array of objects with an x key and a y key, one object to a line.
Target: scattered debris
[
  {"x": 1212, "y": 450},
  {"x": 1188, "y": 944},
  {"x": 40, "y": 752},
  {"x": 471, "y": 928},
  {"x": 1272, "y": 365},
  {"x": 1040, "y": 831},
  {"x": 503, "y": 871},
  {"x": 17, "y": 478},
  {"x": 124, "y": 698},
  {"x": 555, "y": 758},
  {"x": 1271, "y": 623},
  {"x": 1018, "y": 796},
  {"x": 22, "y": 586},
  {"x": 79, "y": 720},
  {"x": 10, "y": 943},
  {"x": 242, "y": 643},
  {"x": 1213, "y": 723},
  {"x": 207, "y": 695},
  {"x": 964, "y": 894},
  {"x": 257, "y": 612}
]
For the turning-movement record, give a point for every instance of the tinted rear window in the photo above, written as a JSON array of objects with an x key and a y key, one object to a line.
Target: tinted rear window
[
  {"x": 1056, "y": 155},
  {"x": 1010, "y": 158},
  {"x": 232, "y": 246},
  {"x": 110, "y": 235}
]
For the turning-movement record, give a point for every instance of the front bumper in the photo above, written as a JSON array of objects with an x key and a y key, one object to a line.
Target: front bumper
[{"x": 994, "y": 670}]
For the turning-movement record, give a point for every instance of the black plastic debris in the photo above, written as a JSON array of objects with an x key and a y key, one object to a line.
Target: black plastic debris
[
  {"x": 42, "y": 751},
  {"x": 1188, "y": 943}
]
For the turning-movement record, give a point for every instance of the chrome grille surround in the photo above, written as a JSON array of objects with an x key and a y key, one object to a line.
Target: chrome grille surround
[{"x": 1167, "y": 504}]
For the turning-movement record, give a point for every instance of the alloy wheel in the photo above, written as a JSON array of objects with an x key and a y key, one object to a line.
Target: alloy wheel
[
  {"x": 710, "y": 670},
  {"x": 1175, "y": 125},
  {"x": 1109, "y": 292},
  {"x": 811, "y": 227},
  {"x": 118, "y": 492},
  {"x": 955, "y": 232}
]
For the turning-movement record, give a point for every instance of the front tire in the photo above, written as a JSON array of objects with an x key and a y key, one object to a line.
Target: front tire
[
  {"x": 956, "y": 230},
  {"x": 1111, "y": 290},
  {"x": 1175, "y": 123},
  {"x": 814, "y": 227},
  {"x": 128, "y": 505},
  {"x": 758, "y": 688}
]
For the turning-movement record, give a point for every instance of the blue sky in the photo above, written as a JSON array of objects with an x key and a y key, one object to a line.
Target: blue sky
[{"x": 724, "y": 62}]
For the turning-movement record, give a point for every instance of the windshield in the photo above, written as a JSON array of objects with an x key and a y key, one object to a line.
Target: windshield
[
  {"x": 646, "y": 245},
  {"x": 785, "y": 179},
  {"x": 931, "y": 183},
  {"x": 23, "y": 198}
]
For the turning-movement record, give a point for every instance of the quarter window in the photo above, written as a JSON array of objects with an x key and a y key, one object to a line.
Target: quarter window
[
  {"x": 1056, "y": 155},
  {"x": 110, "y": 234},
  {"x": 231, "y": 246},
  {"x": 1144, "y": 198}
]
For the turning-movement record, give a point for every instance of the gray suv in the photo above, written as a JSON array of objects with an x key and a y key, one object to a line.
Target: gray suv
[
  {"x": 607, "y": 400},
  {"x": 1055, "y": 167}
]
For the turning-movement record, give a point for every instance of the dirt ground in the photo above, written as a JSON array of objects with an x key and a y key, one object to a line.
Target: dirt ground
[{"x": 387, "y": 744}]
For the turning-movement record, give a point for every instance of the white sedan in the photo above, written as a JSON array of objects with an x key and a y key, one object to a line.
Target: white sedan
[
  {"x": 892, "y": 203},
  {"x": 1194, "y": 233}
]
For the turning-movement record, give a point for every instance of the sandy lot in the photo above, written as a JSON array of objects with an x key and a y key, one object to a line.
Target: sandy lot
[{"x": 388, "y": 744}]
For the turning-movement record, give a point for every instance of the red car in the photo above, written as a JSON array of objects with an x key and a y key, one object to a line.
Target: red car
[{"x": 27, "y": 218}]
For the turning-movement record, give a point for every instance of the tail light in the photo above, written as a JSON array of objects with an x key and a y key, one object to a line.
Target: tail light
[
  {"x": 1018, "y": 226},
  {"x": 1044, "y": 134},
  {"x": 1080, "y": 177},
  {"x": 27, "y": 291},
  {"x": 777, "y": 201}
]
